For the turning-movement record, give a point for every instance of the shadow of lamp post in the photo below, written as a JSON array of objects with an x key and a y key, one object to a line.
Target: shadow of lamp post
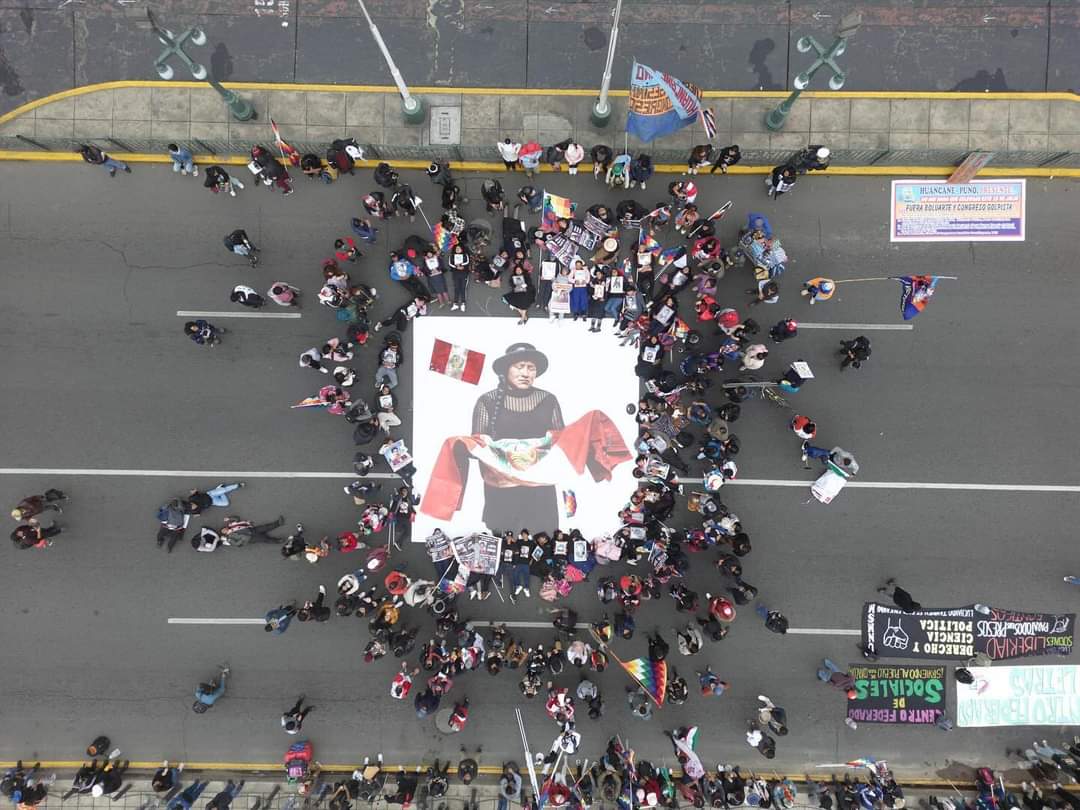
[{"x": 846, "y": 29}]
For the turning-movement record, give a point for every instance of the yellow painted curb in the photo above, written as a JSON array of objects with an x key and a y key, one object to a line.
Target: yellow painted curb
[
  {"x": 524, "y": 91},
  {"x": 498, "y": 168}
]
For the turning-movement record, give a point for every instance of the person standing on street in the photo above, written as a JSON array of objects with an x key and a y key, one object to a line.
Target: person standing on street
[
  {"x": 601, "y": 156},
  {"x": 509, "y": 150},
  {"x": 34, "y": 505},
  {"x": 775, "y": 621},
  {"x": 460, "y": 273},
  {"x": 402, "y": 514},
  {"x": 784, "y": 330},
  {"x": 640, "y": 703},
  {"x": 203, "y": 332},
  {"x": 182, "y": 160},
  {"x": 641, "y": 170},
  {"x": 711, "y": 685},
  {"x": 855, "y": 352},
  {"x": 91, "y": 154},
  {"x": 781, "y": 180},
  {"x": 575, "y": 153},
  {"x": 293, "y": 719}
]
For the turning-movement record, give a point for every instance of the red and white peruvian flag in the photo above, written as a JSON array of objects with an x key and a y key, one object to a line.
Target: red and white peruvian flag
[{"x": 457, "y": 362}]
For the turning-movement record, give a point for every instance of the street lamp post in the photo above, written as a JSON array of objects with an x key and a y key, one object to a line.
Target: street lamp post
[
  {"x": 411, "y": 106},
  {"x": 601, "y": 111},
  {"x": 849, "y": 24},
  {"x": 240, "y": 108}
]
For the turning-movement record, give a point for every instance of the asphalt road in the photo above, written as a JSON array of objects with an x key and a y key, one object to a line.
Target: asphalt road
[
  {"x": 100, "y": 376},
  {"x": 969, "y": 45}
]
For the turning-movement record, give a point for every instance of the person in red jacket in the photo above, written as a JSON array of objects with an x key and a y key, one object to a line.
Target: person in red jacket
[{"x": 345, "y": 250}]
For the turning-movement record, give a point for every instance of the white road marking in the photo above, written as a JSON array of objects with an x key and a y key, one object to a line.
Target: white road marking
[
  {"x": 783, "y": 482},
  {"x": 804, "y": 631},
  {"x": 865, "y": 327},
  {"x": 223, "y": 474},
  {"x": 743, "y": 482},
  {"x": 824, "y": 631},
  {"x": 193, "y": 313}
]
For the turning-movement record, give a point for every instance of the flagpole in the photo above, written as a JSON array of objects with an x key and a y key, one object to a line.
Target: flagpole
[
  {"x": 528, "y": 755},
  {"x": 883, "y": 278},
  {"x": 601, "y": 111},
  {"x": 633, "y": 677}
]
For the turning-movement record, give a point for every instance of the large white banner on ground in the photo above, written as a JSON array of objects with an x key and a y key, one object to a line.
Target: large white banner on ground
[
  {"x": 541, "y": 440},
  {"x": 1020, "y": 696}
]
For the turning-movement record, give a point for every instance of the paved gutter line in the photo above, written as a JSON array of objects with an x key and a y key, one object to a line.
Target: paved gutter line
[{"x": 929, "y": 172}]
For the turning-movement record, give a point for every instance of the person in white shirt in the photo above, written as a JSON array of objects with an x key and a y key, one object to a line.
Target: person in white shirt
[
  {"x": 509, "y": 151},
  {"x": 206, "y": 540},
  {"x": 575, "y": 153},
  {"x": 246, "y": 296}
]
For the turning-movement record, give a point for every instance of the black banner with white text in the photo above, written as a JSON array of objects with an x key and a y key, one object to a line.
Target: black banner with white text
[{"x": 956, "y": 634}]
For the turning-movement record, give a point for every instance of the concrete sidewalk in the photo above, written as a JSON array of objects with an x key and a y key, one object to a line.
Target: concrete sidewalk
[{"x": 880, "y": 129}]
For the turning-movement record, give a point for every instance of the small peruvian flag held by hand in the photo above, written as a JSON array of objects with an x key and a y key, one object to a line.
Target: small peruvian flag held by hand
[{"x": 457, "y": 362}]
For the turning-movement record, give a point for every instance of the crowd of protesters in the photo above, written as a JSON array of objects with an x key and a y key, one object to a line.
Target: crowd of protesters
[{"x": 653, "y": 268}]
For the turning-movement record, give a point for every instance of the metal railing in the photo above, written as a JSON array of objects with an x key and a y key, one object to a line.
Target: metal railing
[{"x": 488, "y": 153}]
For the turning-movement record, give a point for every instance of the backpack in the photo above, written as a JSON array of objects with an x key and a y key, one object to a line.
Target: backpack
[{"x": 297, "y": 760}]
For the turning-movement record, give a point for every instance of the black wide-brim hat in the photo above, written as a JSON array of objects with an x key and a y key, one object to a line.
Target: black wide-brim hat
[{"x": 515, "y": 353}]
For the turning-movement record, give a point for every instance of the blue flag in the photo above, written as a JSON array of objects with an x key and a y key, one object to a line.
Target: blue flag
[
  {"x": 915, "y": 293},
  {"x": 659, "y": 104}
]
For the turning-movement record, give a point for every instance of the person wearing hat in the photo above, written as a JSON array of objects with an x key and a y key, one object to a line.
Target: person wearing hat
[
  {"x": 814, "y": 158},
  {"x": 34, "y": 505},
  {"x": 516, "y": 409},
  {"x": 818, "y": 289},
  {"x": 111, "y": 779}
]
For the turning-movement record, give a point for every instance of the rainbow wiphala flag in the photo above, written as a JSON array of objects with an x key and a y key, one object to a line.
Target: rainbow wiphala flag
[{"x": 652, "y": 675}]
